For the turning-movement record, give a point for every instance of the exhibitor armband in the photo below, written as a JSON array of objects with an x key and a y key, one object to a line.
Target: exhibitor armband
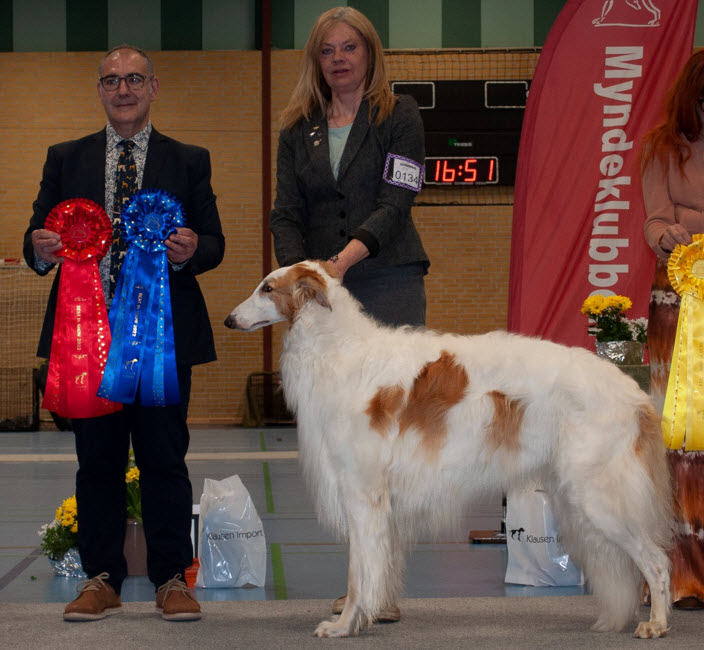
[{"x": 403, "y": 172}]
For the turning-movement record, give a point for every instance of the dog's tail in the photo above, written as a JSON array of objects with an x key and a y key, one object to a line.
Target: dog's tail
[{"x": 619, "y": 524}]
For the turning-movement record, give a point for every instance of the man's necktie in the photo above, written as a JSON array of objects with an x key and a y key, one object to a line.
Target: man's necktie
[{"x": 125, "y": 187}]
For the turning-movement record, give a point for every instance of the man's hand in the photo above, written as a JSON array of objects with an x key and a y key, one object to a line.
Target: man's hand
[
  {"x": 182, "y": 245},
  {"x": 46, "y": 243}
]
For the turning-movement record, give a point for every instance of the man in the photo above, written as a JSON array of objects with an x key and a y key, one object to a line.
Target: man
[{"x": 88, "y": 168}]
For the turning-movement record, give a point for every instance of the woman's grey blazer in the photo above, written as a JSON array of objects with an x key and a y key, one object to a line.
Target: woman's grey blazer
[{"x": 315, "y": 216}]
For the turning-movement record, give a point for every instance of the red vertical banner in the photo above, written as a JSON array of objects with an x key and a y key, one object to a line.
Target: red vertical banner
[{"x": 578, "y": 214}]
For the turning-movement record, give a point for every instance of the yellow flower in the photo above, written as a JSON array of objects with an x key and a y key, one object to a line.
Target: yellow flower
[
  {"x": 597, "y": 304},
  {"x": 62, "y": 534},
  {"x": 620, "y": 302},
  {"x": 67, "y": 513},
  {"x": 132, "y": 475},
  {"x": 608, "y": 320},
  {"x": 593, "y": 305}
]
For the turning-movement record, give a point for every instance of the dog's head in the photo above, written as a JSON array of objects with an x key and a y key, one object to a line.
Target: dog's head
[{"x": 281, "y": 296}]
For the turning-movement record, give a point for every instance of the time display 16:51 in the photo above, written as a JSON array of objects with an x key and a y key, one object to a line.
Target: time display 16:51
[{"x": 455, "y": 170}]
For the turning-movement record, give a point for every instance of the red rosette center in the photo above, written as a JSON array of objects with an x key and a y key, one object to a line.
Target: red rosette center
[
  {"x": 85, "y": 229},
  {"x": 78, "y": 233}
]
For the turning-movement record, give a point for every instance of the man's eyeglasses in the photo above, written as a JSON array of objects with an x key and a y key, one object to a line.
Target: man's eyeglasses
[{"x": 133, "y": 81}]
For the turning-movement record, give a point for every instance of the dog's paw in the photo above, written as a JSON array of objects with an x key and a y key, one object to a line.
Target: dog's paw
[
  {"x": 650, "y": 630},
  {"x": 333, "y": 629}
]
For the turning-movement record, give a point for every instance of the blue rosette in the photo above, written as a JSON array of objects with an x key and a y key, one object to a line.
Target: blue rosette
[{"x": 143, "y": 353}]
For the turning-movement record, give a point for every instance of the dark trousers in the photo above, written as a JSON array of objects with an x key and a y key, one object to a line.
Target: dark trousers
[
  {"x": 394, "y": 296},
  {"x": 160, "y": 438}
]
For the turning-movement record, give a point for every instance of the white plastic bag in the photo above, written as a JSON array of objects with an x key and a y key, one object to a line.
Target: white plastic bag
[
  {"x": 232, "y": 549},
  {"x": 535, "y": 556}
]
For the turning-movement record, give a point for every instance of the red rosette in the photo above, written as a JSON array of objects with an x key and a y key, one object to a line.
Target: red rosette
[
  {"x": 81, "y": 337},
  {"x": 85, "y": 229}
]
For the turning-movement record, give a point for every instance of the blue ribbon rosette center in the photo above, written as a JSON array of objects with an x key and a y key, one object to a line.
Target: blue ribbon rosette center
[{"x": 153, "y": 223}]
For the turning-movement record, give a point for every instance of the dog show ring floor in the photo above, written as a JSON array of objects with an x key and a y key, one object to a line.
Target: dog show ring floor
[{"x": 304, "y": 561}]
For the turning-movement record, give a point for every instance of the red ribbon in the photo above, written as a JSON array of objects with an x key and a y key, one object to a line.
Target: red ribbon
[{"x": 81, "y": 340}]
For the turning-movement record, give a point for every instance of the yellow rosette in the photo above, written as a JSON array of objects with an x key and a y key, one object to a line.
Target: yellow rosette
[{"x": 683, "y": 415}]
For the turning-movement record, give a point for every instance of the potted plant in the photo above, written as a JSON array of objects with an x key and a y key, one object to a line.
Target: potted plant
[
  {"x": 60, "y": 540},
  {"x": 618, "y": 338}
]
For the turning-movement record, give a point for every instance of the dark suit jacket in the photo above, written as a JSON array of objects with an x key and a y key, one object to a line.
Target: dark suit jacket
[
  {"x": 315, "y": 216},
  {"x": 76, "y": 169}
]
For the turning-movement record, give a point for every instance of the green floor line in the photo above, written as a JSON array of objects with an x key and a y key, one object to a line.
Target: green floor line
[
  {"x": 267, "y": 477},
  {"x": 277, "y": 566},
  {"x": 267, "y": 489},
  {"x": 277, "y": 562}
]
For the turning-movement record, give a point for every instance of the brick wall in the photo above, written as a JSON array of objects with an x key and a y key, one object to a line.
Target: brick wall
[{"x": 213, "y": 99}]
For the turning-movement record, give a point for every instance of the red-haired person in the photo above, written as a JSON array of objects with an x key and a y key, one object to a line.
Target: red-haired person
[{"x": 672, "y": 165}]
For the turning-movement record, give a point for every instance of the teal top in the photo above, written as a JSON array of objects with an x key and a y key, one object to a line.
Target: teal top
[{"x": 338, "y": 139}]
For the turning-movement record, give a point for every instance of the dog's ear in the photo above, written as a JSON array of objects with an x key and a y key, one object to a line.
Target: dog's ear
[{"x": 309, "y": 287}]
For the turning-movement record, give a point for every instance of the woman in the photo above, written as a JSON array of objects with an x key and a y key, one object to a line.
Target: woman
[
  {"x": 672, "y": 167},
  {"x": 350, "y": 162}
]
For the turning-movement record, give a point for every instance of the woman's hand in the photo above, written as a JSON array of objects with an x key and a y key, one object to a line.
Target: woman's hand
[
  {"x": 675, "y": 234},
  {"x": 338, "y": 264}
]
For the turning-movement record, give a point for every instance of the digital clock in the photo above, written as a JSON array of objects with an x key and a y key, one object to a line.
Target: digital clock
[{"x": 461, "y": 170}]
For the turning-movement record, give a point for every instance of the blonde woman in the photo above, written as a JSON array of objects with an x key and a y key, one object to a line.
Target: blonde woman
[{"x": 350, "y": 162}]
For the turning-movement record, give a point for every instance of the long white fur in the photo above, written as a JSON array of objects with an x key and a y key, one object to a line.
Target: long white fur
[{"x": 578, "y": 438}]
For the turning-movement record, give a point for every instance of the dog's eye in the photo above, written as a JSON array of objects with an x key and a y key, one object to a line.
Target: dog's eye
[{"x": 266, "y": 288}]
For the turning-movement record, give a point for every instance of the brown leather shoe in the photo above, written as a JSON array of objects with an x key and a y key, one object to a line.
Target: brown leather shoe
[
  {"x": 389, "y": 615},
  {"x": 96, "y": 599},
  {"x": 175, "y": 601}
]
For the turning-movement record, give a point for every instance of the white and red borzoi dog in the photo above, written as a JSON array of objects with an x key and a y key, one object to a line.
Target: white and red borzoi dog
[{"x": 400, "y": 428}]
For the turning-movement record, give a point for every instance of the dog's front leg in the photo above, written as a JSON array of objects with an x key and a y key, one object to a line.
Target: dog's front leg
[
  {"x": 352, "y": 618},
  {"x": 371, "y": 580}
]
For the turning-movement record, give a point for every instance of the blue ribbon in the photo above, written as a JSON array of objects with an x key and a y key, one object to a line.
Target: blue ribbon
[{"x": 143, "y": 353}]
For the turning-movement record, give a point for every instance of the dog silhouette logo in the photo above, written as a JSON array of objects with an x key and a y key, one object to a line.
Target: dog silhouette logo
[
  {"x": 517, "y": 531},
  {"x": 629, "y": 13}
]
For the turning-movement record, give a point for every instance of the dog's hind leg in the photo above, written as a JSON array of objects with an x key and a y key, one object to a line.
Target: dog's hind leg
[
  {"x": 375, "y": 566},
  {"x": 618, "y": 544},
  {"x": 656, "y": 570},
  {"x": 615, "y": 579},
  {"x": 615, "y": 505}
]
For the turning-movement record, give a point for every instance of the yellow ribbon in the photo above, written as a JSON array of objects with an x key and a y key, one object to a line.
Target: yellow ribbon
[{"x": 683, "y": 414}]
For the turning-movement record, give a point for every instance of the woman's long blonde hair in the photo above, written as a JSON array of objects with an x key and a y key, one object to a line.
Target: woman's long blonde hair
[{"x": 312, "y": 91}]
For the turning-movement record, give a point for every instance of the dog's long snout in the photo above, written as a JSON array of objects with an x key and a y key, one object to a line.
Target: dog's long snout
[{"x": 231, "y": 322}]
